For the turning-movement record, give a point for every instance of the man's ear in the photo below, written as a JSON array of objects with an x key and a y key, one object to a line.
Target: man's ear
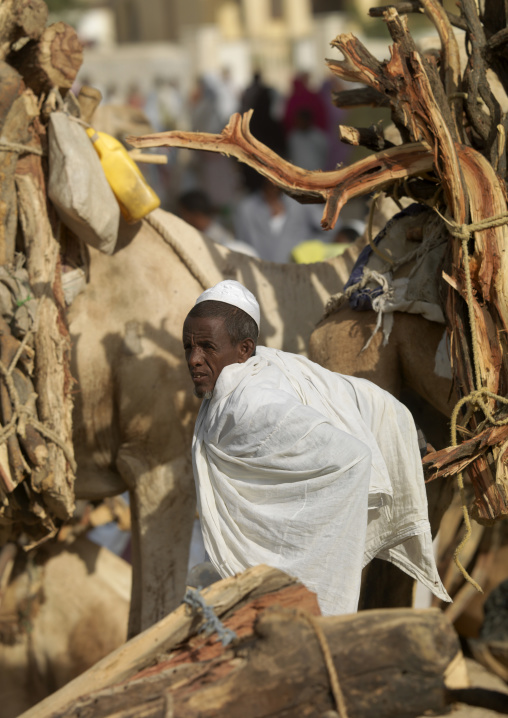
[{"x": 246, "y": 349}]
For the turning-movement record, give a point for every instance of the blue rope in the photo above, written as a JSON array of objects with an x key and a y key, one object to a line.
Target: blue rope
[{"x": 212, "y": 624}]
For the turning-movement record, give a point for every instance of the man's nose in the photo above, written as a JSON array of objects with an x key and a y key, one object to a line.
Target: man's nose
[{"x": 195, "y": 357}]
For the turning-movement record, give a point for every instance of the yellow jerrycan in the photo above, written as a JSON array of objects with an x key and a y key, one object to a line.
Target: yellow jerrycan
[{"x": 135, "y": 196}]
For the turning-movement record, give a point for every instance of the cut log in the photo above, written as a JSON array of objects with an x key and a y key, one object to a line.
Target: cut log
[
  {"x": 52, "y": 61},
  {"x": 275, "y": 667},
  {"x": 20, "y": 19},
  {"x": 176, "y": 628}
]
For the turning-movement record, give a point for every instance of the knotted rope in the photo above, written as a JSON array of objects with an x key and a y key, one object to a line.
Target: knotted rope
[
  {"x": 212, "y": 624},
  {"x": 476, "y": 398}
]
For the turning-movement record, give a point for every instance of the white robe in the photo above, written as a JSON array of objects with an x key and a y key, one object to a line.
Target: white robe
[{"x": 311, "y": 472}]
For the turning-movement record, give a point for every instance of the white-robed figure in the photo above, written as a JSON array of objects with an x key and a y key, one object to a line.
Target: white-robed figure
[{"x": 298, "y": 467}]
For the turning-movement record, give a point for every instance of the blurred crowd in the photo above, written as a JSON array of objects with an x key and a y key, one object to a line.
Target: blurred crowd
[{"x": 225, "y": 200}]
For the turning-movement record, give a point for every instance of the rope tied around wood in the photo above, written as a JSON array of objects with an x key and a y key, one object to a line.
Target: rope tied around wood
[
  {"x": 338, "y": 695},
  {"x": 6, "y": 146},
  {"x": 476, "y": 398},
  {"x": 212, "y": 623}
]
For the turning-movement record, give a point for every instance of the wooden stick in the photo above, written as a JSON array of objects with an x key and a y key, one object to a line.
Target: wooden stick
[{"x": 148, "y": 159}]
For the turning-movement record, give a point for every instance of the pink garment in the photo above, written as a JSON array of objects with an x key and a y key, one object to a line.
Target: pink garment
[{"x": 302, "y": 98}]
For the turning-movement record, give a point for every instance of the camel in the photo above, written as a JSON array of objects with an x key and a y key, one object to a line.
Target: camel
[
  {"x": 134, "y": 409},
  {"x": 64, "y": 610}
]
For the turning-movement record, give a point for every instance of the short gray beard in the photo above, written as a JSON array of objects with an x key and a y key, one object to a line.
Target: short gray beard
[{"x": 205, "y": 395}]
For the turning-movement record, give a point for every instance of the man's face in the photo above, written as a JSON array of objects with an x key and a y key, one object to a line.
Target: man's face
[{"x": 208, "y": 350}]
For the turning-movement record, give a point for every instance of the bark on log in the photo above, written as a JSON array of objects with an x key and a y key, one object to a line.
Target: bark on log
[
  {"x": 18, "y": 19},
  {"x": 14, "y": 120},
  {"x": 52, "y": 61},
  {"x": 362, "y": 97},
  {"x": 52, "y": 344},
  {"x": 279, "y": 671}
]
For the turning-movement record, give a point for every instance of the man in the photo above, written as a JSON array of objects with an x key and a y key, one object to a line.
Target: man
[{"x": 297, "y": 467}]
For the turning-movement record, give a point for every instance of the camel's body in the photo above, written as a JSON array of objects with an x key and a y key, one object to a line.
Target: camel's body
[
  {"x": 135, "y": 412},
  {"x": 58, "y": 617},
  {"x": 408, "y": 359}
]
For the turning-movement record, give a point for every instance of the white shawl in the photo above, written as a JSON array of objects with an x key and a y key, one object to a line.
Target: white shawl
[{"x": 312, "y": 472}]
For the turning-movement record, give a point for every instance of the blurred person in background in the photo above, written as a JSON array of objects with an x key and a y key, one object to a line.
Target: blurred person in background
[
  {"x": 302, "y": 97},
  {"x": 195, "y": 208},
  {"x": 338, "y": 152},
  {"x": 307, "y": 143},
  {"x": 135, "y": 97},
  {"x": 164, "y": 105},
  {"x": 274, "y": 223},
  {"x": 265, "y": 124},
  {"x": 218, "y": 176}
]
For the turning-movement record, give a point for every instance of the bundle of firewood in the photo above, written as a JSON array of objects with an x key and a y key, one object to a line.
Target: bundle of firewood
[
  {"x": 452, "y": 157},
  {"x": 256, "y": 645},
  {"x": 37, "y": 64}
]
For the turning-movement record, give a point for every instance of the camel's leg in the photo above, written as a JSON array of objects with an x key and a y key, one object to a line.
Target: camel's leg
[{"x": 163, "y": 505}]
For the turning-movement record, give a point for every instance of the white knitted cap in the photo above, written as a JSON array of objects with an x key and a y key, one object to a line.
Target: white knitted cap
[{"x": 232, "y": 292}]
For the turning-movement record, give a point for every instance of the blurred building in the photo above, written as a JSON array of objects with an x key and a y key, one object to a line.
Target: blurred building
[{"x": 274, "y": 36}]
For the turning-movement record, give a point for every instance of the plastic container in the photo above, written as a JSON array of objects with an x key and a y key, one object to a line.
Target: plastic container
[{"x": 135, "y": 196}]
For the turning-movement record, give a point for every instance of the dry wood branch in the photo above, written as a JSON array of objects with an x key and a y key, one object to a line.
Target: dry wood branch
[
  {"x": 370, "y": 137},
  {"x": 499, "y": 40},
  {"x": 431, "y": 113},
  {"x": 335, "y": 188},
  {"x": 449, "y": 461},
  {"x": 359, "y": 65},
  {"x": 415, "y": 6},
  {"x": 450, "y": 58},
  {"x": 363, "y": 97},
  {"x": 476, "y": 84}
]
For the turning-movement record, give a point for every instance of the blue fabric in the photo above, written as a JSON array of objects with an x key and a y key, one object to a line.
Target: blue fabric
[{"x": 361, "y": 300}]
